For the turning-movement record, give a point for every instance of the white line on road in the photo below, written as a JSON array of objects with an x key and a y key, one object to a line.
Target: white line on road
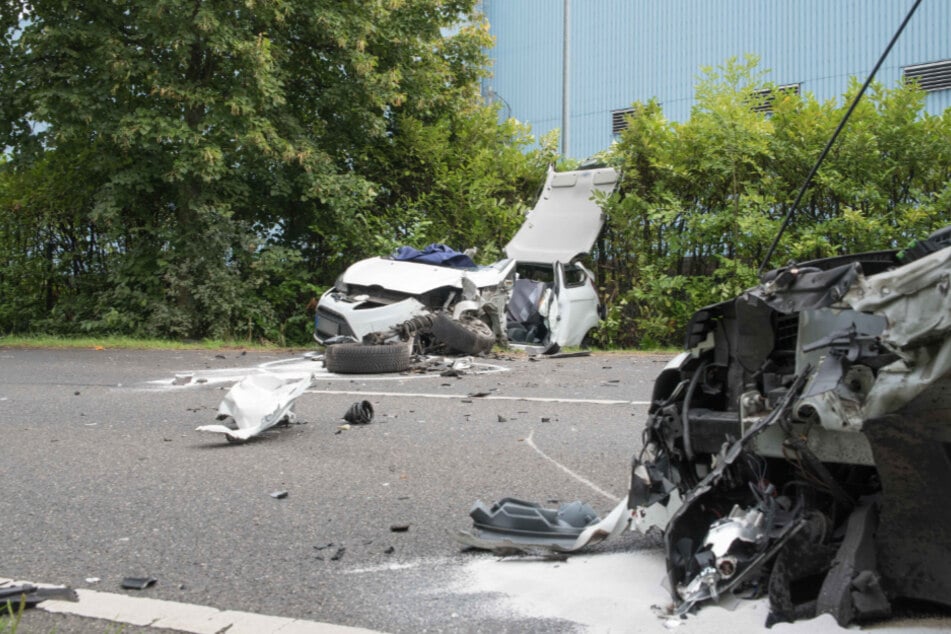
[
  {"x": 490, "y": 397},
  {"x": 531, "y": 443},
  {"x": 185, "y": 617}
]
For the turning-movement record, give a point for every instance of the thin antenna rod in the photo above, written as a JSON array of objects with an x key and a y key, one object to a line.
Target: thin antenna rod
[
  {"x": 566, "y": 78},
  {"x": 815, "y": 168}
]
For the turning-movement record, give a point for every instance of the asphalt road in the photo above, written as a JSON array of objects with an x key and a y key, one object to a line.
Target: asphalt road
[{"x": 104, "y": 476}]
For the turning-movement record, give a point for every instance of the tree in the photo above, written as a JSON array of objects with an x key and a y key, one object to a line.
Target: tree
[
  {"x": 700, "y": 201},
  {"x": 233, "y": 155}
]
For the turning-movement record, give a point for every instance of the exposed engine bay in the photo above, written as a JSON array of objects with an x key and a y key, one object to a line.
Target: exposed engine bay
[{"x": 807, "y": 429}]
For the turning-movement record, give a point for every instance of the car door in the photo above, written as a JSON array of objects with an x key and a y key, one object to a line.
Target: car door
[{"x": 574, "y": 305}]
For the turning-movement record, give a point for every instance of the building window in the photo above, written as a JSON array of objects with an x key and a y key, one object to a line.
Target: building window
[
  {"x": 930, "y": 77},
  {"x": 618, "y": 120},
  {"x": 763, "y": 99}
]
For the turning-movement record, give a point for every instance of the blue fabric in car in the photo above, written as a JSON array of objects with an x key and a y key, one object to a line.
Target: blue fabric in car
[{"x": 438, "y": 254}]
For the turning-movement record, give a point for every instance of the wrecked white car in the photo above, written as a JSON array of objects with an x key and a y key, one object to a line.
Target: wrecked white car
[{"x": 540, "y": 295}]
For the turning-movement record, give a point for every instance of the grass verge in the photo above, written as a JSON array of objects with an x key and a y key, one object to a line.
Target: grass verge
[{"x": 130, "y": 343}]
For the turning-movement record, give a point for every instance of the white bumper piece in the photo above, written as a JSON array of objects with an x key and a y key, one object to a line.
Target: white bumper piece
[{"x": 257, "y": 403}]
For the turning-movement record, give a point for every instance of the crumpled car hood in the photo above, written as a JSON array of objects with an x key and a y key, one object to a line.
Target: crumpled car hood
[{"x": 414, "y": 278}]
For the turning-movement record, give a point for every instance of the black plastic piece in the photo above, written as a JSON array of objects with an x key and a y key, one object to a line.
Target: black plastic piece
[
  {"x": 360, "y": 413},
  {"x": 138, "y": 583},
  {"x": 30, "y": 595}
]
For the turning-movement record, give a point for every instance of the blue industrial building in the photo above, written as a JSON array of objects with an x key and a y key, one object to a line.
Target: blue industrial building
[{"x": 624, "y": 51}]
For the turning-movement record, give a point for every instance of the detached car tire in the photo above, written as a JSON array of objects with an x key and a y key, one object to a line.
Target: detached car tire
[
  {"x": 469, "y": 335},
  {"x": 358, "y": 358}
]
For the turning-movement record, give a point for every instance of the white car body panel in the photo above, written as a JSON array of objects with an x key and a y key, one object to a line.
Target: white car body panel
[
  {"x": 257, "y": 403},
  {"x": 577, "y": 309},
  {"x": 566, "y": 220},
  {"x": 362, "y": 318}
]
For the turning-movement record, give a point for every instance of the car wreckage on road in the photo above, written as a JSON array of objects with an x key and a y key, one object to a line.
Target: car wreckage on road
[
  {"x": 539, "y": 296},
  {"x": 806, "y": 431},
  {"x": 799, "y": 447}
]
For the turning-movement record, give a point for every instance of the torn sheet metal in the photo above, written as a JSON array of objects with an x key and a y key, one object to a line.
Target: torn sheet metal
[
  {"x": 257, "y": 403},
  {"x": 513, "y": 525},
  {"x": 740, "y": 525}
]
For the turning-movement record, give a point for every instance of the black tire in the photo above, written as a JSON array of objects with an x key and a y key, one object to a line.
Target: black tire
[
  {"x": 468, "y": 335},
  {"x": 358, "y": 358}
]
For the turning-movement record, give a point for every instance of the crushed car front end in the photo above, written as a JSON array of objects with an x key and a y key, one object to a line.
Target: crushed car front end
[
  {"x": 378, "y": 294},
  {"x": 803, "y": 439}
]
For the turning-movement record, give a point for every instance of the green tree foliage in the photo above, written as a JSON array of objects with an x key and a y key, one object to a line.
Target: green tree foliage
[
  {"x": 701, "y": 201},
  {"x": 183, "y": 168}
]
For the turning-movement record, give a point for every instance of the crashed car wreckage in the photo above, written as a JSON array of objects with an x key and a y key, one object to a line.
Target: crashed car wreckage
[
  {"x": 540, "y": 296},
  {"x": 806, "y": 425},
  {"x": 800, "y": 446}
]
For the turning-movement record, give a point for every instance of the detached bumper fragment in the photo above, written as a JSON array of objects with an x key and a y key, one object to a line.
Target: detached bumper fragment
[
  {"x": 257, "y": 403},
  {"x": 512, "y": 524}
]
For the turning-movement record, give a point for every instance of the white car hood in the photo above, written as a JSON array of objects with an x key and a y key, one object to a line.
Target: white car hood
[
  {"x": 414, "y": 278},
  {"x": 566, "y": 220}
]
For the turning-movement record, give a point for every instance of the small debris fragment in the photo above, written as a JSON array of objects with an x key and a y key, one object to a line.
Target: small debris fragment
[
  {"x": 138, "y": 583},
  {"x": 27, "y": 595},
  {"x": 478, "y": 394},
  {"x": 343, "y": 427},
  {"x": 462, "y": 364},
  {"x": 339, "y": 554},
  {"x": 75, "y": 393},
  {"x": 360, "y": 413},
  {"x": 399, "y": 528},
  {"x": 546, "y": 419},
  {"x": 570, "y": 355},
  {"x": 183, "y": 379},
  {"x": 201, "y": 380},
  {"x": 324, "y": 547},
  {"x": 502, "y": 419},
  {"x": 93, "y": 579},
  {"x": 389, "y": 551},
  {"x": 279, "y": 495},
  {"x": 219, "y": 356}
]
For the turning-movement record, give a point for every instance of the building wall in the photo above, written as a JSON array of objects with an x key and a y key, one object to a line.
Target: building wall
[{"x": 624, "y": 51}]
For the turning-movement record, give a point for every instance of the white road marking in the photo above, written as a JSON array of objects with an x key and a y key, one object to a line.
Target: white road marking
[
  {"x": 185, "y": 617},
  {"x": 530, "y": 441},
  {"x": 490, "y": 397},
  {"x": 297, "y": 368}
]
